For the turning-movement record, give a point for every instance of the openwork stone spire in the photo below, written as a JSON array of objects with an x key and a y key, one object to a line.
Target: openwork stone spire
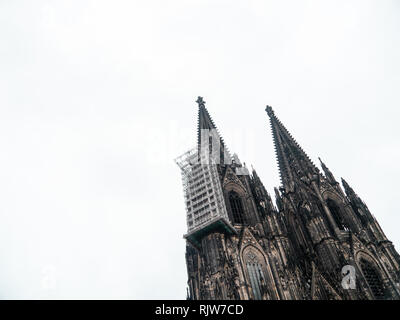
[
  {"x": 293, "y": 162},
  {"x": 204, "y": 119},
  {"x": 205, "y": 122}
]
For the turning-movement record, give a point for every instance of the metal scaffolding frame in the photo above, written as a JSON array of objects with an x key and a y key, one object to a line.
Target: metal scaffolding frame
[{"x": 204, "y": 198}]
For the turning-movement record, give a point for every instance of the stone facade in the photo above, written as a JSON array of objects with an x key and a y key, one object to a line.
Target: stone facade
[{"x": 293, "y": 248}]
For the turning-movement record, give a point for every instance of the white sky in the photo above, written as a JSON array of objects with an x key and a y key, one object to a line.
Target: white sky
[{"x": 98, "y": 97}]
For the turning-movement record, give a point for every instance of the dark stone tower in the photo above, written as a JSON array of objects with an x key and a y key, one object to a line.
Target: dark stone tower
[{"x": 317, "y": 242}]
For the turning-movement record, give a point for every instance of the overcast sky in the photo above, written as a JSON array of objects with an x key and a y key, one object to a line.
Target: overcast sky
[{"x": 98, "y": 97}]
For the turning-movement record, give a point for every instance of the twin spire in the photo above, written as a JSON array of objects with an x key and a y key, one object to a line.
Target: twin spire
[
  {"x": 205, "y": 122},
  {"x": 293, "y": 162}
]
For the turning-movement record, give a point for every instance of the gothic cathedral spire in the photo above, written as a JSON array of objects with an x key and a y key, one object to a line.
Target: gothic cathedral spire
[
  {"x": 207, "y": 130},
  {"x": 293, "y": 162}
]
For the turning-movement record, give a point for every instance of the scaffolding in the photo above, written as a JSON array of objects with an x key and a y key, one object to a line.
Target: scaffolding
[{"x": 204, "y": 200}]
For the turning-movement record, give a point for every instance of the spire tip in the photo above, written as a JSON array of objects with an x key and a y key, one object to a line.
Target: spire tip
[
  {"x": 200, "y": 101},
  {"x": 269, "y": 110}
]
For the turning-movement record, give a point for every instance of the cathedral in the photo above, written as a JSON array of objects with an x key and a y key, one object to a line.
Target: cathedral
[{"x": 316, "y": 241}]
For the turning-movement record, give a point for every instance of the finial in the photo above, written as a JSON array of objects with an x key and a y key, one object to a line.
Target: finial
[
  {"x": 324, "y": 167},
  {"x": 345, "y": 184},
  {"x": 269, "y": 110},
  {"x": 254, "y": 172},
  {"x": 349, "y": 190},
  {"x": 200, "y": 101}
]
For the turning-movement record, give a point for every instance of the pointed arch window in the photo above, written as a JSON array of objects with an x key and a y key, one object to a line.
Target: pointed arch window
[
  {"x": 373, "y": 279},
  {"x": 336, "y": 214},
  {"x": 256, "y": 276},
  {"x": 237, "y": 207}
]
